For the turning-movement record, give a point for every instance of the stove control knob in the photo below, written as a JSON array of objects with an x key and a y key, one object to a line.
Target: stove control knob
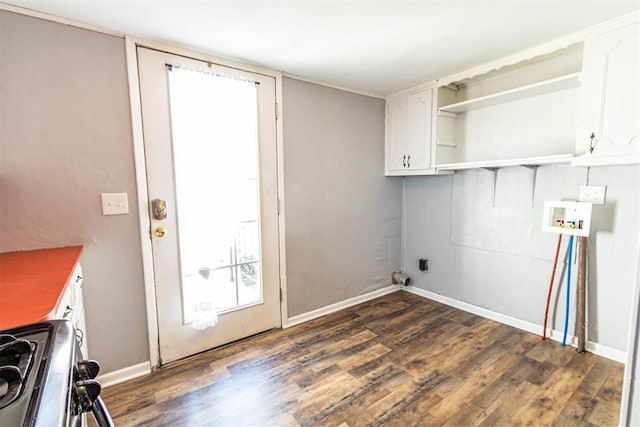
[
  {"x": 87, "y": 392},
  {"x": 88, "y": 369}
]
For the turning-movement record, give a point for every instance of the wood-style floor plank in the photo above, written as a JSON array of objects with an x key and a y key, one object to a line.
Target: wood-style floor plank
[{"x": 399, "y": 360}]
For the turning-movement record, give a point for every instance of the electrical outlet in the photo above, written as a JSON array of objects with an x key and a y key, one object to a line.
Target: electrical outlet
[
  {"x": 595, "y": 194},
  {"x": 115, "y": 204}
]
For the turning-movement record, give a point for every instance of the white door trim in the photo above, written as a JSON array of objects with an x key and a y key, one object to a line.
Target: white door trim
[
  {"x": 131, "y": 44},
  {"x": 143, "y": 202},
  {"x": 282, "y": 247}
]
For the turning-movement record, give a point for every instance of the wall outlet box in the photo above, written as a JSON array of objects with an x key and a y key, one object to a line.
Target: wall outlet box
[
  {"x": 115, "y": 204},
  {"x": 594, "y": 194},
  {"x": 572, "y": 218}
]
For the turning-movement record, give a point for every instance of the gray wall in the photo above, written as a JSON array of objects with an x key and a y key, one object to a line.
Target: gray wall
[
  {"x": 65, "y": 137},
  {"x": 343, "y": 216},
  {"x": 497, "y": 258}
]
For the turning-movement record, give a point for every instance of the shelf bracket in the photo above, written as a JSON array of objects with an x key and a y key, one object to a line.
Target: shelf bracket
[
  {"x": 495, "y": 184},
  {"x": 449, "y": 114},
  {"x": 534, "y": 177}
]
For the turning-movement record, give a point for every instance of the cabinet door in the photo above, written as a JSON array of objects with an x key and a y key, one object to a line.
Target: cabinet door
[
  {"x": 419, "y": 130},
  {"x": 609, "y": 102},
  {"x": 396, "y": 143}
]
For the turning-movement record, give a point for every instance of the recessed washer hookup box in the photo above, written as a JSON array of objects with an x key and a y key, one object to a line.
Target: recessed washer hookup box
[{"x": 572, "y": 218}]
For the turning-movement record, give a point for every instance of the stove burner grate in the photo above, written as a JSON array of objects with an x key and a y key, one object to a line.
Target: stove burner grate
[{"x": 16, "y": 356}]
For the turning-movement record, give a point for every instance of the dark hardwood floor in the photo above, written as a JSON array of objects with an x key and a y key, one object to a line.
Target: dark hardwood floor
[{"x": 399, "y": 360}]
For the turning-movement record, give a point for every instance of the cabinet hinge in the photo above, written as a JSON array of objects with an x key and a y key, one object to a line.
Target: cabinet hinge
[
  {"x": 276, "y": 111},
  {"x": 278, "y": 207},
  {"x": 280, "y": 294}
]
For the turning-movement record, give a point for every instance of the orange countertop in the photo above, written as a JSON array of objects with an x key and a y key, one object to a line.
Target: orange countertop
[{"x": 32, "y": 283}]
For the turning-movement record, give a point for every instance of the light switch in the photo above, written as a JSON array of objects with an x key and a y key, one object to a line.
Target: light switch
[
  {"x": 593, "y": 194},
  {"x": 115, "y": 204}
]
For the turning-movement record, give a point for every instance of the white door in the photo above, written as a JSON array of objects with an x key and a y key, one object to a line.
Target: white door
[{"x": 210, "y": 148}]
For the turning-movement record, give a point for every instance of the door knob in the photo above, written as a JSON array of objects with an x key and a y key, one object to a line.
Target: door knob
[{"x": 161, "y": 231}]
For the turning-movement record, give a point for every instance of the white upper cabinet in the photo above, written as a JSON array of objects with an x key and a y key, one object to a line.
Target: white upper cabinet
[
  {"x": 609, "y": 117},
  {"x": 409, "y": 119},
  {"x": 396, "y": 133},
  {"x": 574, "y": 100}
]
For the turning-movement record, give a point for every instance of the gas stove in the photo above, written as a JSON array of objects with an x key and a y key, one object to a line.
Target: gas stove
[{"x": 43, "y": 379}]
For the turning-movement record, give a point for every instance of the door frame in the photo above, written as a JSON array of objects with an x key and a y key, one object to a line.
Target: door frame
[{"x": 131, "y": 45}]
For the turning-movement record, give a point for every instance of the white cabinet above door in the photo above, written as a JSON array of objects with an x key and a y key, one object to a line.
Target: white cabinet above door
[
  {"x": 408, "y": 132},
  {"x": 609, "y": 115}
]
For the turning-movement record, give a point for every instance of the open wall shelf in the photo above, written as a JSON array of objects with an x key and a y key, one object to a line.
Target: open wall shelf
[
  {"x": 568, "y": 81},
  {"x": 494, "y": 164}
]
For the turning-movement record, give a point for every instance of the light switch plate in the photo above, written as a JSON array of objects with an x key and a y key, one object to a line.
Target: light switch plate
[
  {"x": 593, "y": 194},
  {"x": 115, "y": 204}
]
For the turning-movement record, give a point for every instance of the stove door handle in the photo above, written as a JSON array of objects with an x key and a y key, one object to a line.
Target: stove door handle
[{"x": 101, "y": 414}]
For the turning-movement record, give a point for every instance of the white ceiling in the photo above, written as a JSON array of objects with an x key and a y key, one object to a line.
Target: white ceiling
[{"x": 378, "y": 47}]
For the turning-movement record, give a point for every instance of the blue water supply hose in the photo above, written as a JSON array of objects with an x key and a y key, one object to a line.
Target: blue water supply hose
[{"x": 566, "y": 311}]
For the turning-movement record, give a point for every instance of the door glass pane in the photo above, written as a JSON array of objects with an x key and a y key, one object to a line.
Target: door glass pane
[
  {"x": 224, "y": 285},
  {"x": 214, "y": 136},
  {"x": 248, "y": 290}
]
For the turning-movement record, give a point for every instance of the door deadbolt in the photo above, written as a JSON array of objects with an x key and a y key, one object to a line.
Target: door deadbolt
[
  {"x": 159, "y": 208},
  {"x": 161, "y": 231}
]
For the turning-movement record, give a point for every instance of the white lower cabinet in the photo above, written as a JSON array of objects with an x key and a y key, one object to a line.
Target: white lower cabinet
[
  {"x": 609, "y": 117},
  {"x": 71, "y": 308},
  {"x": 408, "y": 131}
]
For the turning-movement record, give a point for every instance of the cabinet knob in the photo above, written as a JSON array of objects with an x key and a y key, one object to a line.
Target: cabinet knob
[
  {"x": 592, "y": 142},
  {"x": 68, "y": 312}
]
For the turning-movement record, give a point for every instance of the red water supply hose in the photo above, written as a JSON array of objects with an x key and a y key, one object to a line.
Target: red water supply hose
[{"x": 553, "y": 275}]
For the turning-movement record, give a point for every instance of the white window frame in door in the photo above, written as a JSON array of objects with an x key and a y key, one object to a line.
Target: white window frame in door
[{"x": 131, "y": 45}]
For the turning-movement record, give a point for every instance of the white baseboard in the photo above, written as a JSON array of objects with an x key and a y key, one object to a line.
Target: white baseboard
[
  {"x": 595, "y": 348},
  {"x": 305, "y": 317},
  {"x": 144, "y": 368},
  {"x": 124, "y": 374}
]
